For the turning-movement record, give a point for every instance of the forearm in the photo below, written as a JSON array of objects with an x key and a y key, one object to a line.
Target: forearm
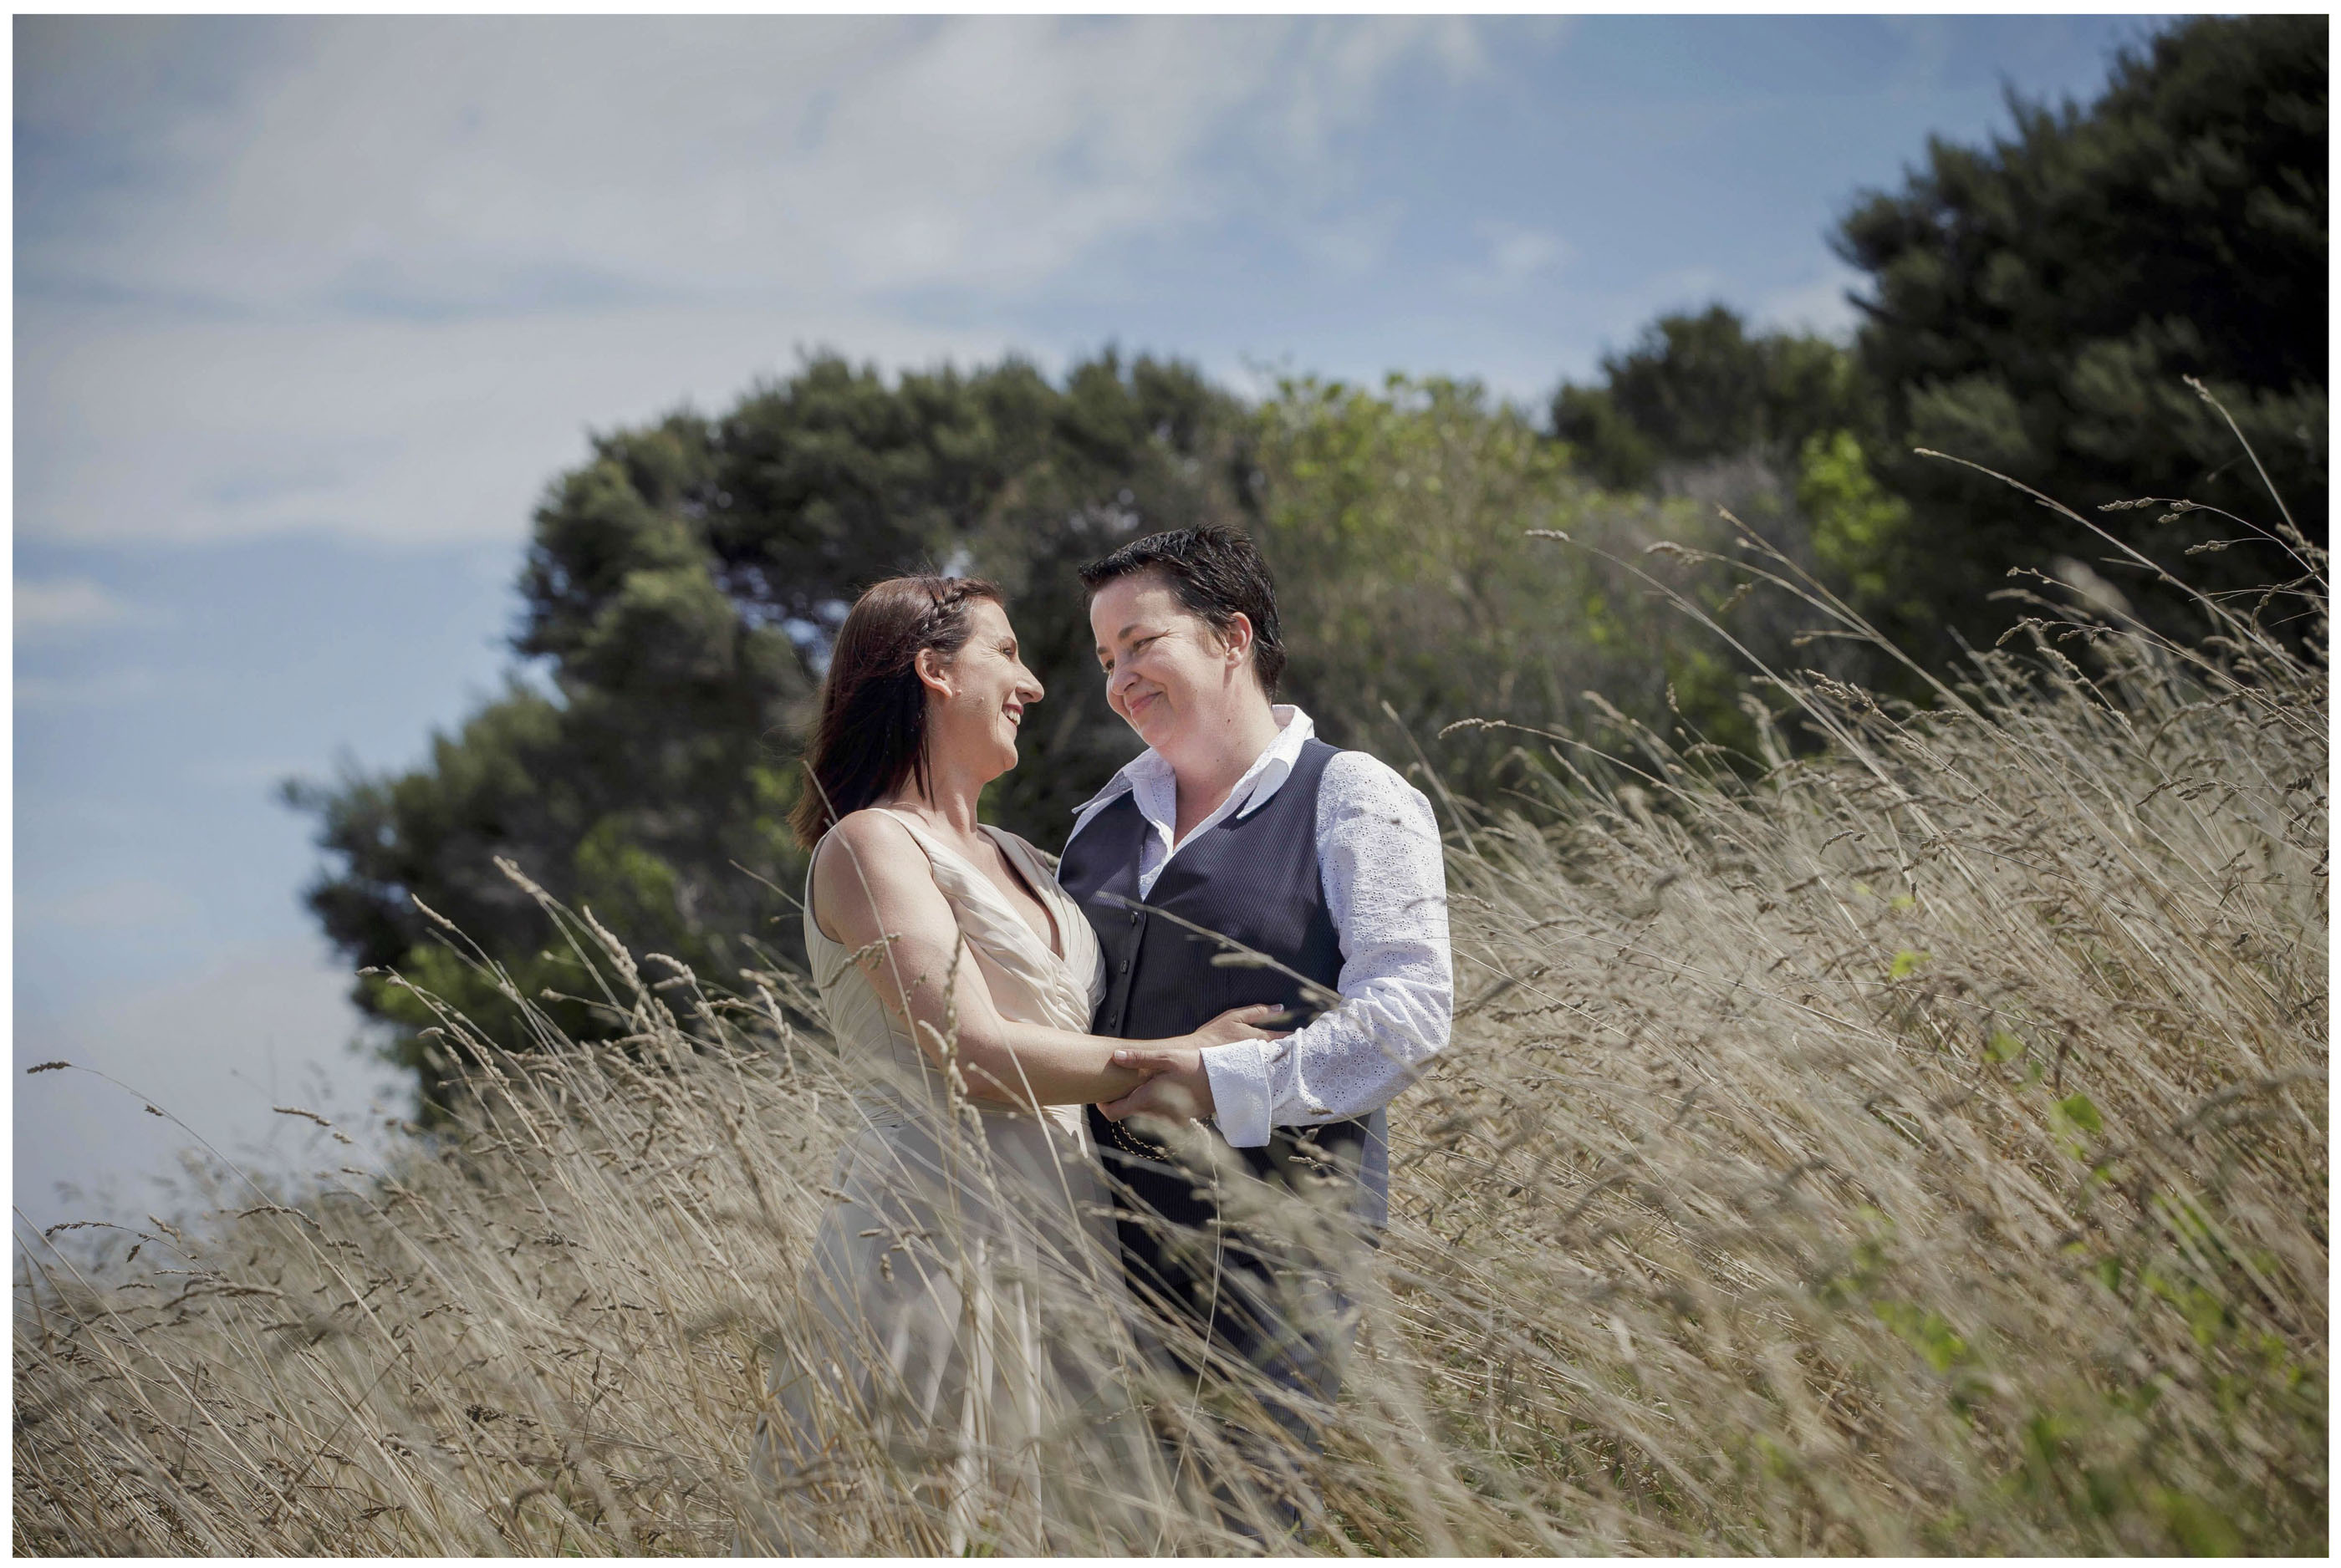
[
  {"x": 1347, "y": 1062},
  {"x": 1009, "y": 1062}
]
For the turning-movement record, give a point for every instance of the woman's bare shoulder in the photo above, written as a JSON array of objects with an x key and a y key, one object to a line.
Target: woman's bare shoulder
[
  {"x": 871, "y": 827},
  {"x": 869, "y": 863},
  {"x": 873, "y": 843}
]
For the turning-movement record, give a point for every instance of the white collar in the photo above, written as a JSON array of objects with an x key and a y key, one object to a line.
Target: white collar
[{"x": 1261, "y": 779}]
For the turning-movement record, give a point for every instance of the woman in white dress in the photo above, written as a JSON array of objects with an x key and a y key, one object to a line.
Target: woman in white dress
[{"x": 965, "y": 1294}]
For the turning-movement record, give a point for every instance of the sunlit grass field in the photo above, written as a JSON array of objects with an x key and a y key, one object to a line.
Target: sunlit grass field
[{"x": 1912, "y": 1140}]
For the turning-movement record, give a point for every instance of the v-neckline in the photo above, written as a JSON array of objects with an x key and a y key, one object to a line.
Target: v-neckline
[{"x": 1054, "y": 944}]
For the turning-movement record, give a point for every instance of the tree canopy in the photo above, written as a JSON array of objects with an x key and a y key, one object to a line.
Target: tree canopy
[
  {"x": 2035, "y": 305},
  {"x": 1698, "y": 387},
  {"x": 2032, "y": 305},
  {"x": 680, "y": 593}
]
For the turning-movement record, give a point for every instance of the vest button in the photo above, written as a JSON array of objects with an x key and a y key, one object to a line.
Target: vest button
[{"x": 1125, "y": 965}]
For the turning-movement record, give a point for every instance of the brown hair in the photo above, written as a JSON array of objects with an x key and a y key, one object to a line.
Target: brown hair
[
  {"x": 1216, "y": 572},
  {"x": 872, "y": 730}
]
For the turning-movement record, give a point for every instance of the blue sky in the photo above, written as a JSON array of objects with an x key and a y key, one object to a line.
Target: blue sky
[{"x": 307, "y": 313}]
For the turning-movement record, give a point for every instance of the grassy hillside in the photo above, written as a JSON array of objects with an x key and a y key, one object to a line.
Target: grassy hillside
[{"x": 1913, "y": 1145}]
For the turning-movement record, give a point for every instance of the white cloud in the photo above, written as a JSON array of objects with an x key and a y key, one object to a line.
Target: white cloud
[
  {"x": 378, "y": 275},
  {"x": 1337, "y": 71},
  {"x": 1525, "y": 252},
  {"x": 478, "y": 164},
  {"x": 64, "y": 608},
  {"x": 138, "y": 426},
  {"x": 1516, "y": 254}
]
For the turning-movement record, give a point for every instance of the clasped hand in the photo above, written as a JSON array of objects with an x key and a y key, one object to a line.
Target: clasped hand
[{"x": 1175, "y": 1085}]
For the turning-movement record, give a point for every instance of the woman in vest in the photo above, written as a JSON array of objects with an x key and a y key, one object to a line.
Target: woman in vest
[
  {"x": 964, "y": 1299},
  {"x": 1239, "y": 859}
]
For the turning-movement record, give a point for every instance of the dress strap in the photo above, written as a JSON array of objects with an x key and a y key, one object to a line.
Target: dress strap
[{"x": 990, "y": 922}]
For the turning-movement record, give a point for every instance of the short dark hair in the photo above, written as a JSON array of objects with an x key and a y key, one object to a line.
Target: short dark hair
[
  {"x": 871, "y": 734},
  {"x": 1218, "y": 575}
]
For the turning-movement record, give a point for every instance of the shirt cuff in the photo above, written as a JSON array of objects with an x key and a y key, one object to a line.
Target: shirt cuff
[{"x": 1239, "y": 1078}]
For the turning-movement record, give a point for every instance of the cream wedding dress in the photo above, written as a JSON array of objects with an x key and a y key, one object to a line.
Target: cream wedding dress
[{"x": 965, "y": 1301}]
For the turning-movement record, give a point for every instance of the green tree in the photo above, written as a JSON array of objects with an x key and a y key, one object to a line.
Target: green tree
[
  {"x": 1696, "y": 388},
  {"x": 680, "y": 590},
  {"x": 2036, "y": 303},
  {"x": 1134, "y": 448},
  {"x": 1397, "y": 522},
  {"x": 1780, "y": 429}
]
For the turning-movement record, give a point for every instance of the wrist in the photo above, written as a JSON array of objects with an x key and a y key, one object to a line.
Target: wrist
[{"x": 1197, "y": 1081}]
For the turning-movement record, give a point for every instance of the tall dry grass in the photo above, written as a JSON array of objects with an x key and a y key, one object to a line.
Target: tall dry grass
[{"x": 1919, "y": 1147}]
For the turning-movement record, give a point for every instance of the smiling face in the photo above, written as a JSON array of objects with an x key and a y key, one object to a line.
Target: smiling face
[
  {"x": 1168, "y": 673},
  {"x": 977, "y": 697}
]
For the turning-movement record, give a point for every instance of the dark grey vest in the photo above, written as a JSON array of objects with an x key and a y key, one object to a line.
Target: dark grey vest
[{"x": 1250, "y": 882}]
